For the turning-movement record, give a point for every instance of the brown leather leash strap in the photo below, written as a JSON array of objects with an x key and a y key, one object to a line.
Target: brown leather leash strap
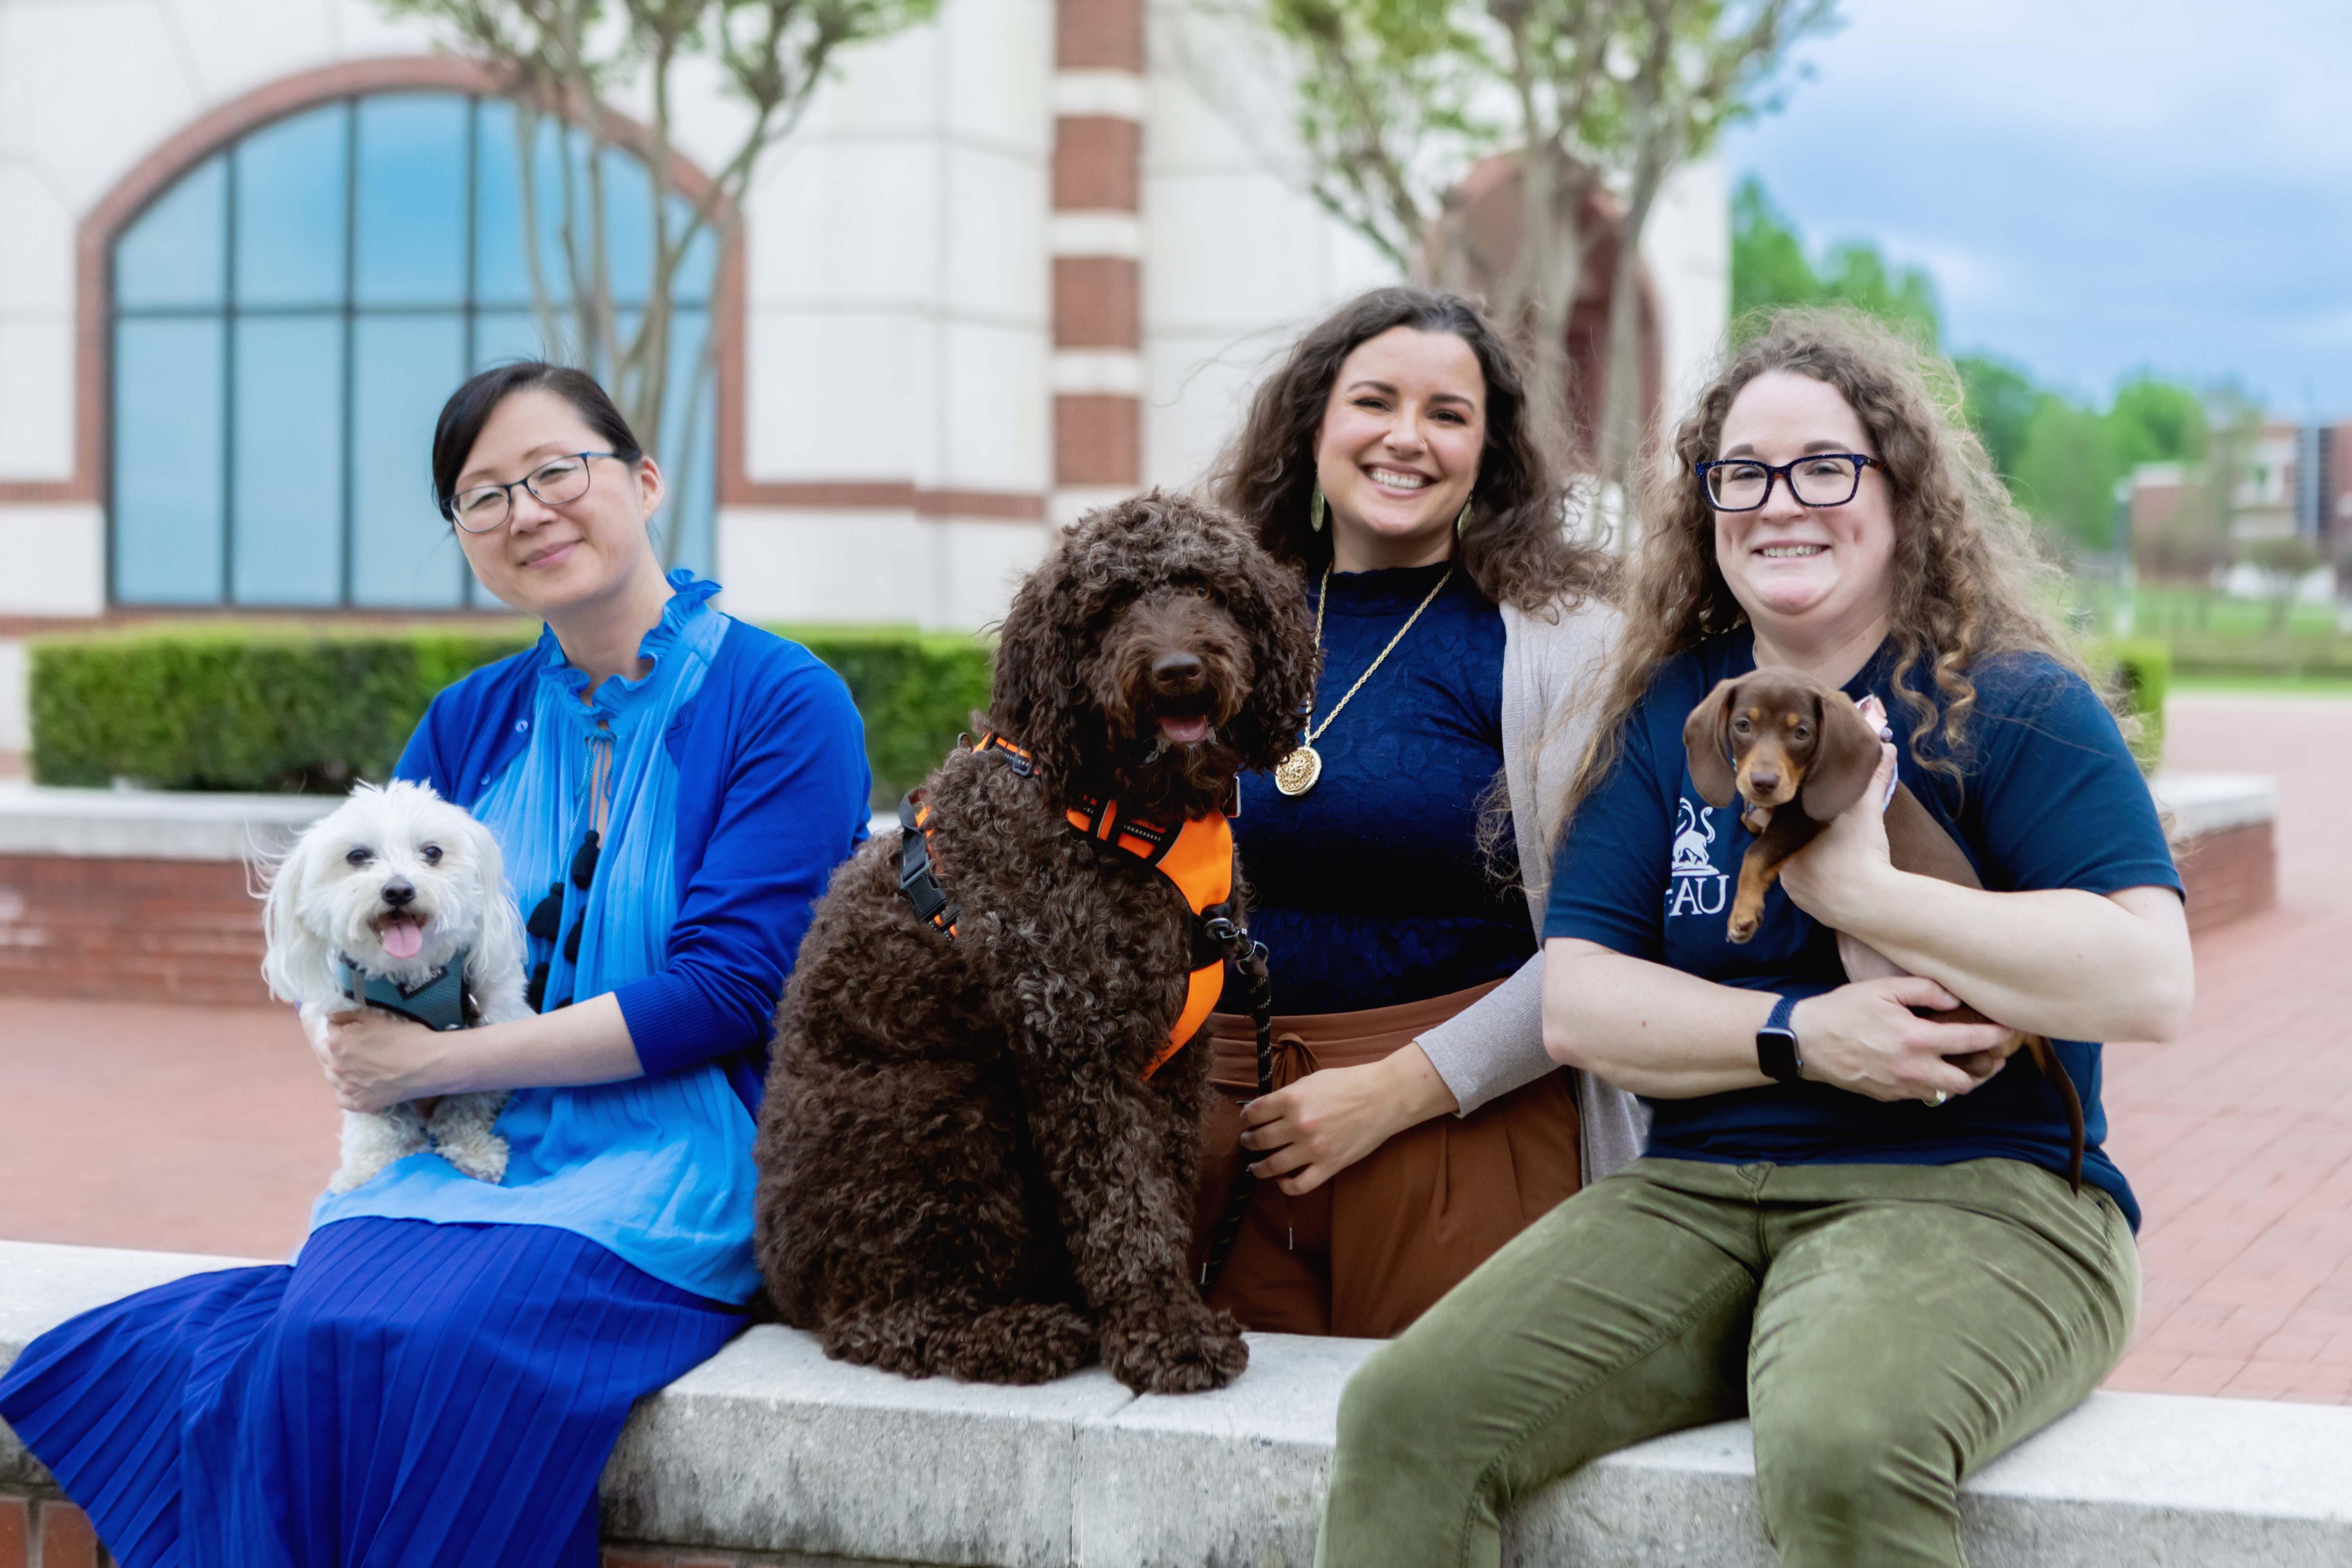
[{"x": 1253, "y": 972}]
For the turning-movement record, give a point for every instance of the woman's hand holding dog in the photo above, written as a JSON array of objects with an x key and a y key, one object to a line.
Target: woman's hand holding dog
[
  {"x": 1865, "y": 1038},
  {"x": 1317, "y": 1127},
  {"x": 1843, "y": 875},
  {"x": 1840, "y": 879},
  {"x": 374, "y": 1060}
]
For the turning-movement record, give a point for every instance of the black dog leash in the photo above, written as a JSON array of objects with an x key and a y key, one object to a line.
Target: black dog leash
[{"x": 1251, "y": 967}]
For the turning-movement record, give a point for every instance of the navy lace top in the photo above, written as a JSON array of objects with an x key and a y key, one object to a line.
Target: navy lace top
[{"x": 1371, "y": 889}]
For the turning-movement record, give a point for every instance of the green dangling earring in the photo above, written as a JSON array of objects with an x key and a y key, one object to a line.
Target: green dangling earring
[
  {"x": 1461, "y": 522},
  {"x": 1315, "y": 508}
]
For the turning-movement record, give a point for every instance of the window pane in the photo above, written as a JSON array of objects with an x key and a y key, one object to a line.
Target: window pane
[
  {"x": 502, "y": 335},
  {"x": 411, "y": 200},
  {"x": 290, "y": 210},
  {"x": 628, "y": 226},
  {"x": 698, "y": 272},
  {"x": 690, "y": 447},
  {"x": 502, "y": 267},
  {"x": 402, "y": 551},
  {"x": 173, "y": 255},
  {"x": 287, "y": 436},
  {"x": 167, "y": 462}
]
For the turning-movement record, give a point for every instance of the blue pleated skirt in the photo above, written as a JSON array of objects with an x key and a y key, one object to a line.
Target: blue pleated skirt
[{"x": 408, "y": 1395}]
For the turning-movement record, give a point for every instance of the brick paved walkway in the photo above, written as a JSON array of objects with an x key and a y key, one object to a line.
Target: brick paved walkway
[
  {"x": 207, "y": 1129},
  {"x": 2239, "y": 1138}
]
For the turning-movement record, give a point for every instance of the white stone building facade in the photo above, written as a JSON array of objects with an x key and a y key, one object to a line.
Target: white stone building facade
[{"x": 1012, "y": 263}]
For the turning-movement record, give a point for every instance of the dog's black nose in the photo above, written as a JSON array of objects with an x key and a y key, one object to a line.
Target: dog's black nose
[
  {"x": 1176, "y": 671},
  {"x": 399, "y": 892}
]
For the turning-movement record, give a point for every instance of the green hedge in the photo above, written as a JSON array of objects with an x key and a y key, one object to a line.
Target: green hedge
[
  {"x": 233, "y": 707},
  {"x": 242, "y": 707},
  {"x": 2140, "y": 670},
  {"x": 917, "y": 690}
]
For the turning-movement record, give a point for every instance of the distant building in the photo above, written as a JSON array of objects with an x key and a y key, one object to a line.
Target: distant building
[{"x": 2293, "y": 481}]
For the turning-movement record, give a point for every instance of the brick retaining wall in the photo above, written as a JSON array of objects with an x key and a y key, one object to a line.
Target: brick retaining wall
[
  {"x": 2229, "y": 874},
  {"x": 130, "y": 931}
]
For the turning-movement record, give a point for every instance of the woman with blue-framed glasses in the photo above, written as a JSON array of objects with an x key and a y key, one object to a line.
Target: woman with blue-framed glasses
[{"x": 439, "y": 1377}]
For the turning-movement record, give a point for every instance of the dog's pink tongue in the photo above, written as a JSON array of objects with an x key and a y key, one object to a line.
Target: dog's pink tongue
[
  {"x": 403, "y": 939},
  {"x": 1184, "y": 731}
]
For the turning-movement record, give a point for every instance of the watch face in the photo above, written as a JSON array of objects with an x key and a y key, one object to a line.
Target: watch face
[{"x": 1776, "y": 1055}]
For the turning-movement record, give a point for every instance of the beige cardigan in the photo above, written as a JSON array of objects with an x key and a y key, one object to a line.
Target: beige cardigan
[{"x": 1549, "y": 660}]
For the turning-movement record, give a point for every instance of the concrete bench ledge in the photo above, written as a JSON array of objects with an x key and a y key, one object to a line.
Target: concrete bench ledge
[
  {"x": 151, "y": 824},
  {"x": 164, "y": 825},
  {"x": 770, "y": 1447},
  {"x": 2203, "y": 804}
]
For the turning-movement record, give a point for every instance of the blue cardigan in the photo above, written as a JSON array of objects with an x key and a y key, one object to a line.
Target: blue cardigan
[{"x": 773, "y": 791}]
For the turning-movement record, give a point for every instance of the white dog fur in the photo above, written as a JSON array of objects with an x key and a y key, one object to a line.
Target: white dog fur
[{"x": 328, "y": 895}]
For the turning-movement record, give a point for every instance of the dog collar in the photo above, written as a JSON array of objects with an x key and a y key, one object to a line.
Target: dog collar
[{"x": 437, "y": 1002}]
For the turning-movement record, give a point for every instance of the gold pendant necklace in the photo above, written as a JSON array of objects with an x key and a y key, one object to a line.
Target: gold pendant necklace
[{"x": 1297, "y": 771}]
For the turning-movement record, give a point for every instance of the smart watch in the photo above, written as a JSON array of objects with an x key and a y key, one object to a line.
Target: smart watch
[{"x": 1776, "y": 1044}]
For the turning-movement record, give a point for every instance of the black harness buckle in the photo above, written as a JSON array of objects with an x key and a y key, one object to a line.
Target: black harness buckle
[{"x": 916, "y": 878}]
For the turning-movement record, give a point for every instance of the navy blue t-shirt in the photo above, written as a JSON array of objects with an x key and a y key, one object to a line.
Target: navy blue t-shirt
[
  {"x": 1371, "y": 889},
  {"x": 2049, "y": 797}
]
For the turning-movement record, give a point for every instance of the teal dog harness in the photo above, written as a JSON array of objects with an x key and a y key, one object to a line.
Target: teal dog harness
[{"x": 437, "y": 1002}]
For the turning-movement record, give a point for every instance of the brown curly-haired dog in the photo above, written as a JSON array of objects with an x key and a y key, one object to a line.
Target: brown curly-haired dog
[{"x": 965, "y": 1167}]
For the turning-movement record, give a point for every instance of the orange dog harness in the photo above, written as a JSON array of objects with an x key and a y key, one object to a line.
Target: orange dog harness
[{"x": 1197, "y": 857}]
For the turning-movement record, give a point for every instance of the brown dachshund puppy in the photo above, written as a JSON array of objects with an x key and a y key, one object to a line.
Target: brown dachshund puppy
[{"x": 1798, "y": 753}]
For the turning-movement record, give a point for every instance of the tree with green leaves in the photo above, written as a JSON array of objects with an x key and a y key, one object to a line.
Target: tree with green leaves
[
  {"x": 565, "y": 64},
  {"x": 1696, "y": 66},
  {"x": 2063, "y": 460},
  {"x": 2000, "y": 400},
  {"x": 1397, "y": 99},
  {"x": 1770, "y": 268},
  {"x": 2066, "y": 474}
]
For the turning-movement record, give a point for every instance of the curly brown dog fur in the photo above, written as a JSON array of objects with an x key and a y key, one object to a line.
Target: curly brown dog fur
[{"x": 963, "y": 1168}]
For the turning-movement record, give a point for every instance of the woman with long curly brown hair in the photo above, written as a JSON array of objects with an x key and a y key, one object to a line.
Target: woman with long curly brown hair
[
  {"x": 1850, "y": 1224},
  {"x": 1391, "y": 462}
]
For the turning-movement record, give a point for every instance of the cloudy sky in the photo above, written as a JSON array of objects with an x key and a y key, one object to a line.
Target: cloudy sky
[{"x": 2095, "y": 184}]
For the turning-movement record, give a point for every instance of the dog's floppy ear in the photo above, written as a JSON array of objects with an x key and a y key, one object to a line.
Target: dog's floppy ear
[
  {"x": 1846, "y": 755},
  {"x": 299, "y": 966},
  {"x": 1036, "y": 698},
  {"x": 1262, "y": 594},
  {"x": 498, "y": 949},
  {"x": 1707, "y": 739}
]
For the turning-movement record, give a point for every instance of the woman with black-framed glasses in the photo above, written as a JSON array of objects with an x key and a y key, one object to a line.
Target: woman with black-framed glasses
[
  {"x": 1852, "y": 1224},
  {"x": 439, "y": 1377}
]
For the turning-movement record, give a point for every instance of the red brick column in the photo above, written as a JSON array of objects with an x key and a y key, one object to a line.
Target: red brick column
[{"x": 1098, "y": 250}]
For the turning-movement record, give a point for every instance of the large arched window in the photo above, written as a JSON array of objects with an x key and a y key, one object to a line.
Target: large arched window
[{"x": 287, "y": 319}]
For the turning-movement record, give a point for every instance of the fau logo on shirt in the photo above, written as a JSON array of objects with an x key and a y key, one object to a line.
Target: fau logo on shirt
[{"x": 1696, "y": 887}]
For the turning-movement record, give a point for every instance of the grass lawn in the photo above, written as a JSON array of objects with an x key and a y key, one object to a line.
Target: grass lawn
[
  {"x": 2327, "y": 686},
  {"x": 2162, "y": 609}
]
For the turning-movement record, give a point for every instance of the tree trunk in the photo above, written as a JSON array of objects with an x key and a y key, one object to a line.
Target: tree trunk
[{"x": 1624, "y": 423}]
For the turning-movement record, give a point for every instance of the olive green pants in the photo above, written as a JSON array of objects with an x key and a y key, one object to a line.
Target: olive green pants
[{"x": 1888, "y": 1328}]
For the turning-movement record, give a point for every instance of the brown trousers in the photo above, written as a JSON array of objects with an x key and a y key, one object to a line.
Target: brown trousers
[{"x": 1374, "y": 1248}]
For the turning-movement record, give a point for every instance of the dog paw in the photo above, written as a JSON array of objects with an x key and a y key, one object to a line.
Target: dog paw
[
  {"x": 1023, "y": 1343},
  {"x": 1186, "y": 1353},
  {"x": 484, "y": 1158},
  {"x": 1740, "y": 928}
]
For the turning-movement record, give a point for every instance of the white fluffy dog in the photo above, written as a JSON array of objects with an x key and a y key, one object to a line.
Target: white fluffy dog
[{"x": 380, "y": 901}]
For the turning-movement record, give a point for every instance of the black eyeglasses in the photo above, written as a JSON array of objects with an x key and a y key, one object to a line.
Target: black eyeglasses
[
  {"x": 1817, "y": 479},
  {"x": 556, "y": 482},
  {"x": 547, "y": 921}
]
